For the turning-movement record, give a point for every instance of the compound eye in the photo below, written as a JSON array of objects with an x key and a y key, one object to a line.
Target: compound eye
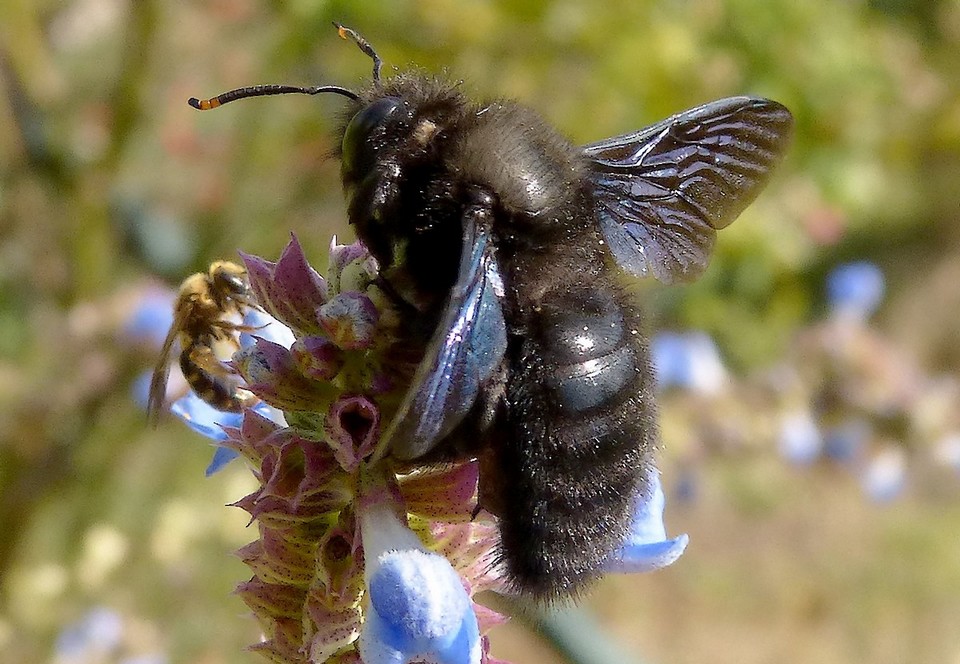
[
  {"x": 230, "y": 279},
  {"x": 359, "y": 152}
]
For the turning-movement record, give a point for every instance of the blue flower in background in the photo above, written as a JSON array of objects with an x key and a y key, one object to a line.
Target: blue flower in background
[
  {"x": 855, "y": 289},
  {"x": 846, "y": 441},
  {"x": 799, "y": 438},
  {"x": 100, "y": 636},
  {"x": 153, "y": 317},
  {"x": 97, "y": 633},
  {"x": 885, "y": 475},
  {"x": 688, "y": 360}
]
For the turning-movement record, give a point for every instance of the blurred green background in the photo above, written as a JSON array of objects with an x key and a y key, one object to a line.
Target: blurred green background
[{"x": 111, "y": 186}]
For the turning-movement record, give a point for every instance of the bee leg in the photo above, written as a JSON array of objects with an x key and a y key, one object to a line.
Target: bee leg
[
  {"x": 227, "y": 331},
  {"x": 228, "y": 327}
]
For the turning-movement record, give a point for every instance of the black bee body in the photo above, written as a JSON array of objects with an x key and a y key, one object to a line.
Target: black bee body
[
  {"x": 569, "y": 415},
  {"x": 502, "y": 244}
]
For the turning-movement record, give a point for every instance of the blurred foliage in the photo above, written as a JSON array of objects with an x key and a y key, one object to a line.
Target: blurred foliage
[{"x": 108, "y": 181}]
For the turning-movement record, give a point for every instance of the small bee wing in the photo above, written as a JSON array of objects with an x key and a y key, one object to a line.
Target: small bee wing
[
  {"x": 467, "y": 348},
  {"x": 663, "y": 192},
  {"x": 158, "y": 382}
]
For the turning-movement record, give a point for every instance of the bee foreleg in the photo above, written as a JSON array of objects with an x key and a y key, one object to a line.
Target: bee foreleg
[{"x": 224, "y": 330}]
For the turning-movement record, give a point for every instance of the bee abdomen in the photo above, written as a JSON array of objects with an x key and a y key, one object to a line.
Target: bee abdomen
[
  {"x": 581, "y": 426},
  {"x": 587, "y": 344},
  {"x": 212, "y": 381}
]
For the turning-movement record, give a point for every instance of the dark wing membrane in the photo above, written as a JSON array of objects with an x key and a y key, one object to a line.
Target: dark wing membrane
[
  {"x": 664, "y": 191},
  {"x": 466, "y": 349}
]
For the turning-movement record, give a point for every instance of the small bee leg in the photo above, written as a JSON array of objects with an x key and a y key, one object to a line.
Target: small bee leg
[
  {"x": 229, "y": 327},
  {"x": 225, "y": 331}
]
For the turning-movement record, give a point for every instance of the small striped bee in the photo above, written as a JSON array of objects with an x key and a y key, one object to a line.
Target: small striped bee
[{"x": 206, "y": 314}]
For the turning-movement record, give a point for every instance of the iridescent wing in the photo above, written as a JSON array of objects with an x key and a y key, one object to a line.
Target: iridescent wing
[
  {"x": 663, "y": 192},
  {"x": 465, "y": 351}
]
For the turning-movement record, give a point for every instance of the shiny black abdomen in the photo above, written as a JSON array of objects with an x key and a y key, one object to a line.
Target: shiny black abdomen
[{"x": 579, "y": 427}]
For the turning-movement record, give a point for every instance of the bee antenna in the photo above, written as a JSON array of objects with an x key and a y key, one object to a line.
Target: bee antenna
[
  {"x": 347, "y": 33},
  {"x": 265, "y": 90}
]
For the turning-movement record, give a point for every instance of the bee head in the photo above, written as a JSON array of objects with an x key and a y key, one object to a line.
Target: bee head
[
  {"x": 398, "y": 120},
  {"x": 229, "y": 280},
  {"x": 366, "y": 135},
  {"x": 394, "y": 169},
  {"x": 394, "y": 133}
]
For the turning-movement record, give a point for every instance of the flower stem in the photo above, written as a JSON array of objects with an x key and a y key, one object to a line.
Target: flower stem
[{"x": 576, "y": 635}]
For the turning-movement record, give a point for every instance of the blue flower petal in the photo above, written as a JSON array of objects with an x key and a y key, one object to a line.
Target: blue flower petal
[
  {"x": 855, "y": 288},
  {"x": 669, "y": 359},
  {"x": 418, "y": 609},
  {"x": 98, "y": 632},
  {"x": 847, "y": 440},
  {"x": 204, "y": 418},
  {"x": 689, "y": 361},
  {"x": 647, "y": 547},
  {"x": 799, "y": 439},
  {"x": 153, "y": 317},
  {"x": 208, "y": 421},
  {"x": 884, "y": 478},
  {"x": 268, "y": 328},
  {"x": 221, "y": 458},
  {"x": 635, "y": 558}
]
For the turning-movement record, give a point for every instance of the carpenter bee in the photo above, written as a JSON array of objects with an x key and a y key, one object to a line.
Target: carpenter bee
[
  {"x": 504, "y": 243},
  {"x": 202, "y": 321}
]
